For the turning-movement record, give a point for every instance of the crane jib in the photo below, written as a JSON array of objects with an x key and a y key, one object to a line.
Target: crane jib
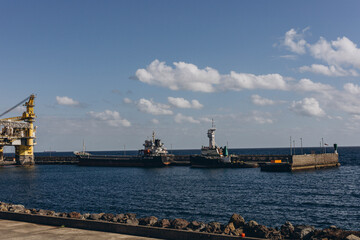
[{"x": 14, "y": 106}]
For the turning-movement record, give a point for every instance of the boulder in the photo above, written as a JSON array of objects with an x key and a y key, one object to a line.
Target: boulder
[
  {"x": 213, "y": 227},
  {"x": 287, "y": 229},
  {"x": 179, "y": 223},
  {"x": 62, "y": 214},
  {"x": 275, "y": 234},
  {"x": 165, "y": 223},
  {"x": 130, "y": 215},
  {"x": 16, "y": 208},
  {"x": 3, "y": 208},
  {"x": 95, "y": 216},
  {"x": 120, "y": 216},
  {"x": 237, "y": 220},
  {"x": 45, "y": 212},
  {"x": 352, "y": 237},
  {"x": 258, "y": 231},
  {"x": 148, "y": 221},
  {"x": 132, "y": 221},
  {"x": 303, "y": 232},
  {"x": 237, "y": 232},
  {"x": 75, "y": 215},
  {"x": 107, "y": 217},
  {"x": 197, "y": 226},
  {"x": 34, "y": 211},
  {"x": 229, "y": 228},
  {"x": 85, "y": 216},
  {"x": 27, "y": 211}
]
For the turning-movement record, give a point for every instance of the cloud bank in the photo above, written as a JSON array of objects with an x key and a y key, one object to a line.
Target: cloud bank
[
  {"x": 187, "y": 76},
  {"x": 341, "y": 55}
]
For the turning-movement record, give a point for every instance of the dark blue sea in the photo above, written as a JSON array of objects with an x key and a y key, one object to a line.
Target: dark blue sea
[{"x": 320, "y": 198}]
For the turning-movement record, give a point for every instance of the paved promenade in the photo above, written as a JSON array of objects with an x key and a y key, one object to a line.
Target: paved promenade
[{"x": 15, "y": 230}]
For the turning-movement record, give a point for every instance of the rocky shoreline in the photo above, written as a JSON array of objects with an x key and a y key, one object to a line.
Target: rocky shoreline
[{"x": 237, "y": 226}]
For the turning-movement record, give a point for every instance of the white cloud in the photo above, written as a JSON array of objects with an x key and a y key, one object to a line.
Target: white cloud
[
  {"x": 183, "y": 103},
  {"x": 307, "y": 85},
  {"x": 340, "y": 52},
  {"x": 238, "y": 81},
  {"x": 184, "y": 76},
  {"x": 307, "y": 107},
  {"x": 295, "y": 42},
  {"x": 112, "y": 118},
  {"x": 127, "y": 100},
  {"x": 155, "y": 121},
  {"x": 66, "y": 101},
  {"x": 179, "y": 118},
  {"x": 151, "y": 107},
  {"x": 352, "y": 88},
  {"x": 334, "y": 71},
  {"x": 341, "y": 55},
  {"x": 187, "y": 76},
  {"x": 260, "y": 101}
]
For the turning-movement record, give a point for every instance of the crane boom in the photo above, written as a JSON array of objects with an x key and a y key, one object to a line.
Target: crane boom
[{"x": 10, "y": 109}]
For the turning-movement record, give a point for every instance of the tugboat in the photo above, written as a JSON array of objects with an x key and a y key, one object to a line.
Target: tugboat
[
  {"x": 212, "y": 156},
  {"x": 154, "y": 154}
]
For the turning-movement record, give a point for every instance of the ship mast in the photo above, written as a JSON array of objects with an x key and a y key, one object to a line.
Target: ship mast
[{"x": 211, "y": 135}]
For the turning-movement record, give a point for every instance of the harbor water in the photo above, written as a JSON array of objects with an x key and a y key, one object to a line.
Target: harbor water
[{"x": 319, "y": 198}]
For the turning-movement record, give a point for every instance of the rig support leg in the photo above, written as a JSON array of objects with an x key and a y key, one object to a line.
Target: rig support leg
[
  {"x": 24, "y": 155},
  {"x": 1, "y": 153}
]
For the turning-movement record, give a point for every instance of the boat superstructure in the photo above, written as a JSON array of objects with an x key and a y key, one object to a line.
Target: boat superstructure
[
  {"x": 154, "y": 154},
  {"x": 153, "y": 147},
  {"x": 212, "y": 155}
]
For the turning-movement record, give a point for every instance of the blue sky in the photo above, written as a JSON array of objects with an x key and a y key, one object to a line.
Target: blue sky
[{"x": 110, "y": 72}]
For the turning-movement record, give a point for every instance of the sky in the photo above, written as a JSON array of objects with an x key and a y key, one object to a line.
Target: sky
[{"x": 111, "y": 72}]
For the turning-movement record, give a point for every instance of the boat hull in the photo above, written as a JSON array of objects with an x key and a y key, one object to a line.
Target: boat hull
[
  {"x": 199, "y": 161},
  {"x": 124, "y": 161}
]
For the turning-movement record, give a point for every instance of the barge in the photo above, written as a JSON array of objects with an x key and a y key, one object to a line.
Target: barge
[{"x": 154, "y": 154}]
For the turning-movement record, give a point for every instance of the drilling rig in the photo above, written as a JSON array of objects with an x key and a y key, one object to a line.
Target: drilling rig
[{"x": 20, "y": 133}]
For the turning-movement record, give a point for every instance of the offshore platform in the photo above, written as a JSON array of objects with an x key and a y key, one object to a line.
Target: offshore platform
[{"x": 20, "y": 133}]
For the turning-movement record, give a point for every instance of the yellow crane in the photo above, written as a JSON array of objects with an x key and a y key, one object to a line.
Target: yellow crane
[{"x": 20, "y": 133}]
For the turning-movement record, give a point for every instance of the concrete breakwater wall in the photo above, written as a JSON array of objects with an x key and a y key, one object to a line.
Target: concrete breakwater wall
[
  {"x": 315, "y": 160},
  {"x": 128, "y": 223},
  {"x": 304, "y": 162}
]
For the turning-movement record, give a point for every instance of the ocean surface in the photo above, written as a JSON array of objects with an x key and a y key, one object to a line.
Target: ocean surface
[{"x": 320, "y": 198}]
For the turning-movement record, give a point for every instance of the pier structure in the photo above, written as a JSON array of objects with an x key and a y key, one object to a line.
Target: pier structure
[{"x": 20, "y": 133}]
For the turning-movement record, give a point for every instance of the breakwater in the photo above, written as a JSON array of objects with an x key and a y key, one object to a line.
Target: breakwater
[
  {"x": 303, "y": 162},
  {"x": 176, "y": 228}
]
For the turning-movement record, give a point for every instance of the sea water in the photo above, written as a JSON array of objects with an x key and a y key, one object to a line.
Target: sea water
[{"x": 320, "y": 198}]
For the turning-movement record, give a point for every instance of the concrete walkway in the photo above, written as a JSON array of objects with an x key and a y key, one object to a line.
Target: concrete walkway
[{"x": 23, "y": 230}]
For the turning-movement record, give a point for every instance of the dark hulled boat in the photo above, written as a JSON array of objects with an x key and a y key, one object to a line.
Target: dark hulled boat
[
  {"x": 154, "y": 154},
  {"x": 212, "y": 156}
]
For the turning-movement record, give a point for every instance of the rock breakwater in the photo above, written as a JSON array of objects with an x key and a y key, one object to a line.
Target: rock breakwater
[{"x": 237, "y": 226}]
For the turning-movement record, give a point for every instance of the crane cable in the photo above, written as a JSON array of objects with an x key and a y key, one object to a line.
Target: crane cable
[{"x": 14, "y": 106}]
